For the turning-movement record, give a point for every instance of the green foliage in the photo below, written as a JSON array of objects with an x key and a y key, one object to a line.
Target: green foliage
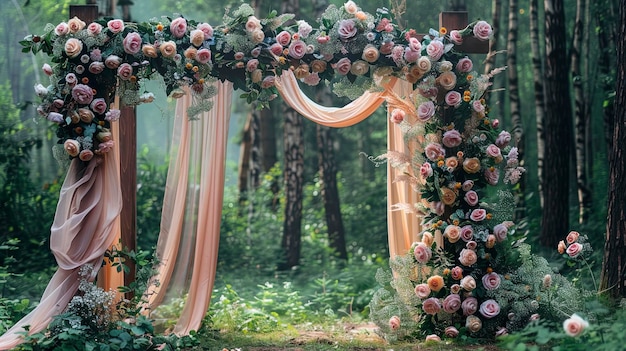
[{"x": 151, "y": 178}]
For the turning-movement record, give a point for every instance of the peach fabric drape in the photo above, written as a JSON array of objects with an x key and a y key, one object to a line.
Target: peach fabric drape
[
  {"x": 83, "y": 229},
  {"x": 346, "y": 116},
  {"x": 402, "y": 227},
  {"x": 190, "y": 224}
]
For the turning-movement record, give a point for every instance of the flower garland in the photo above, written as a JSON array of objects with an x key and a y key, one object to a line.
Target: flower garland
[{"x": 93, "y": 62}]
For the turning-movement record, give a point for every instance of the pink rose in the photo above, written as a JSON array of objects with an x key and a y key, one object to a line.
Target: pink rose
[
  {"x": 397, "y": 116},
  {"x": 304, "y": 29},
  {"x": 71, "y": 79},
  {"x": 469, "y": 306},
  {"x": 95, "y": 55},
  {"x": 503, "y": 138},
  {"x": 471, "y": 197},
  {"x": 82, "y": 94},
  {"x": 106, "y": 146},
  {"x": 478, "y": 106},
  {"x": 433, "y": 338},
  {"x": 464, "y": 65},
  {"x": 323, "y": 39},
  {"x": 206, "y": 29},
  {"x": 431, "y": 305},
  {"x": 467, "y": 185},
  {"x": 434, "y": 49},
  {"x": 96, "y": 67},
  {"x": 422, "y": 291},
  {"x": 268, "y": 82},
  {"x": 394, "y": 323},
  {"x": 115, "y": 25},
  {"x": 58, "y": 103},
  {"x": 425, "y": 111},
  {"x": 62, "y": 29},
  {"x": 343, "y": 66},
  {"x": 347, "y": 29},
  {"x": 112, "y": 115},
  {"x": 500, "y": 231},
  {"x": 437, "y": 207},
  {"x": 55, "y": 117},
  {"x": 452, "y": 138},
  {"x": 411, "y": 56},
  {"x": 98, "y": 105},
  {"x": 178, "y": 27},
  {"x": 492, "y": 175},
  {"x": 283, "y": 38},
  {"x": 397, "y": 53},
  {"x": 350, "y": 7},
  {"x": 456, "y": 37},
  {"x": 253, "y": 24},
  {"x": 125, "y": 71},
  {"x": 297, "y": 49},
  {"x": 467, "y": 233},
  {"x": 572, "y": 237},
  {"x": 453, "y": 98},
  {"x": 494, "y": 151},
  {"x": 94, "y": 28},
  {"x": 276, "y": 49},
  {"x": 489, "y": 308},
  {"x": 426, "y": 170},
  {"x": 72, "y": 147},
  {"x": 112, "y": 62},
  {"x": 47, "y": 69},
  {"x": 467, "y": 258},
  {"x": 386, "y": 47},
  {"x": 471, "y": 245},
  {"x": 203, "y": 56},
  {"x": 422, "y": 253},
  {"x": 575, "y": 325},
  {"x": 252, "y": 65},
  {"x": 491, "y": 281},
  {"x": 495, "y": 123},
  {"x": 501, "y": 332},
  {"x": 491, "y": 241},
  {"x": 574, "y": 250},
  {"x": 452, "y": 303},
  {"x": 85, "y": 155},
  {"x": 456, "y": 273},
  {"x": 482, "y": 30},
  {"x": 434, "y": 151},
  {"x": 414, "y": 44},
  {"x": 312, "y": 79},
  {"x": 451, "y": 332},
  {"x": 478, "y": 214}
]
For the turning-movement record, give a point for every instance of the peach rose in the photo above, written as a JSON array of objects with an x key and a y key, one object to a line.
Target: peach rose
[
  {"x": 453, "y": 233},
  {"x": 431, "y": 306},
  {"x": 572, "y": 237},
  {"x": 473, "y": 324},
  {"x": 451, "y": 332},
  {"x": 73, "y": 47},
  {"x": 448, "y": 196},
  {"x": 76, "y": 25},
  {"x": 318, "y": 66},
  {"x": 85, "y": 115},
  {"x": 435, "y": 283},
  {"x": 491, "y": 241},
  {"x": 397, "y": 115},
  {"x": 72, "y": 147},
  {"x": 196, "y": 37},
  {"x": 168, "y": 49},
  {"x": 257, "y": 36},
  {"x": 447, "y": 80},
  {"x": 433, "y": 338},
  {"x": 191, "y": 52},
  {"x": 575, "y": 325},
  {"x": 427, "y": 238},
  {"x": 370, "y": 53},
  {"x": 471, "y": 165},
  {"x": 359, "y": 68},
  {"x": 561, "y": 247},
  {"x": 350, "y": 7},
  {"x": 394, "y": 323},
  {"x": 456, "y": 273}
]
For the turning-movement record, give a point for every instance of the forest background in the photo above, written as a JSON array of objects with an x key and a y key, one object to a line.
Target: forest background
[{"x": 294, "y": 233}]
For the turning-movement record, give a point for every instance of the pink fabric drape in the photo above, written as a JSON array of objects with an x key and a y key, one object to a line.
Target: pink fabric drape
[
  {"x": 190, "y": 225},
  {"x": 83, "y": 229}
]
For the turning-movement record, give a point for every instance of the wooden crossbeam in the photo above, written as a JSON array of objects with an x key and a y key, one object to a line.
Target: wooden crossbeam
[{"x": 455, "y": 20}]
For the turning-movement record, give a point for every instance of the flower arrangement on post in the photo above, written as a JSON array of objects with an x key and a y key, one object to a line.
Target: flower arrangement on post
[{"x": 460, "y": 277}]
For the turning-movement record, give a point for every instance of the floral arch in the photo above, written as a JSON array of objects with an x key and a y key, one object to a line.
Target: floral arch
[{"x": 442, "y": 144}]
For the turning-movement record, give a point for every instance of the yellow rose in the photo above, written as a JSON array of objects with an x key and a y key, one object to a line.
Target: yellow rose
[
  {"x": 73, "y": 47},
  {"x": 149, "y": 51},
  {"x": 168, "y": 49},
  {"x": 471, "y": 165}
]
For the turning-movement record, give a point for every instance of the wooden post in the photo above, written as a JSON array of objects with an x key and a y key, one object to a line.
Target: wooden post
[
  {"x": 455, "y": 20},
  {"x": 128, "y": 163}
]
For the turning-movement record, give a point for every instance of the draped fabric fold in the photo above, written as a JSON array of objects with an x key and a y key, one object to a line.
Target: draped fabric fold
[
  {"x": 83, "y": 229},
  {"x": 190, "y": 224},
  {"x": 337, "y": 117}
]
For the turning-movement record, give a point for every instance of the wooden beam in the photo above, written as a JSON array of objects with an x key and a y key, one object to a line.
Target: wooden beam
[
  {"x": 455, "y": 20},
  {"x": 87, "y": 13},
  {"x": 128, "y": 175}
]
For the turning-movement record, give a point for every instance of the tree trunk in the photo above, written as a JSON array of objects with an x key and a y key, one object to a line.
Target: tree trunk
[
  {"x": 514, "y": 104},
  {"x": 490, "y": 61},
  {"x": 293, "y": 172},
  {"x": 581, "y": 117},
  {"x": 328, "y": 174},
  {"x": 613, "y": 276},
  {"x": 539, "y": 93},
  {"x": 558, "y": 128}
]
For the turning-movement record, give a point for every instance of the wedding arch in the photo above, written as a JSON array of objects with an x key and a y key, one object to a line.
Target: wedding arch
[{"x": 422, "y": 78}]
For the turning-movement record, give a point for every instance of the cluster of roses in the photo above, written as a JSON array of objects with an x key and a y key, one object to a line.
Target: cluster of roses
[
  {"x": 462, "y": 153},
  {"x": 92, "y": 59}
]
